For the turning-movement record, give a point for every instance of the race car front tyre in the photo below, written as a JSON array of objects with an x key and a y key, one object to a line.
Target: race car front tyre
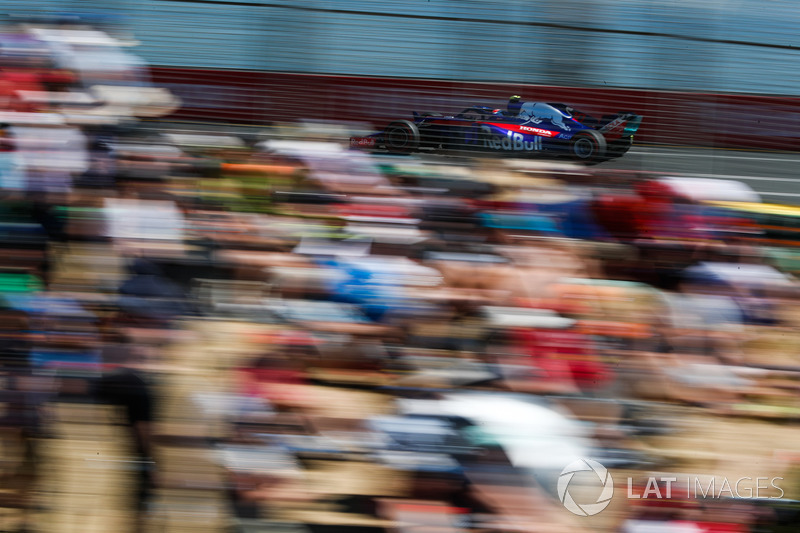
[
  {"x": 588, "y": 146},
  {"x": 401, "y": 137}
]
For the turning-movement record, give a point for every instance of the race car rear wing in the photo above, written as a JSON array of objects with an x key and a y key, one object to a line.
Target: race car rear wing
[{"x": 623, "y": 124}]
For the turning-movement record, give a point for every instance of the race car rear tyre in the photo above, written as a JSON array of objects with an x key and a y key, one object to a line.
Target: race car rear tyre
[
  {"x": 588, "y": 146},
  {"x": 619, "y": 147},
  {"x": 401, "y": 137}
]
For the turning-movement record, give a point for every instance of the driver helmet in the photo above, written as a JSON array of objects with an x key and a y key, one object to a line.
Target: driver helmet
[{"x": 514, "y": 105}]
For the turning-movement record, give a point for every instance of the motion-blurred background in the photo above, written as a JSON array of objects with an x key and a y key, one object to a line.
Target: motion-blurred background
[{"x": 217, "y": 316}]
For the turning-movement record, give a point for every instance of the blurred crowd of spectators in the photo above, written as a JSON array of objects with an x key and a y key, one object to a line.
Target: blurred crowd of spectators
[{"x": 346, "y": 288}]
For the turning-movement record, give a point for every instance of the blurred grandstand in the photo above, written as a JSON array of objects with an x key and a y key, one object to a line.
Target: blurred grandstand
[{"x": 225, "y": 329}]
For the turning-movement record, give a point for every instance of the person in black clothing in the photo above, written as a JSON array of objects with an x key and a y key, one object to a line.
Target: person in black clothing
[
  {"x": 127, "y": 387},
  {"x": 20, "y": 422}
]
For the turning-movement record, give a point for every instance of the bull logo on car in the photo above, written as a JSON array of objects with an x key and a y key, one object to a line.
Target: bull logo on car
[{"x": 536, "y": 112}]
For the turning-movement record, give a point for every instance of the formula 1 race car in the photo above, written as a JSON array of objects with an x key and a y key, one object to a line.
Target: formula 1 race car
[{"x": 525, "y": 129}]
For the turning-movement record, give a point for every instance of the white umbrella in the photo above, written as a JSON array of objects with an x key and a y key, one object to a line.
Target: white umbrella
[
  {"x": 533, "y": 435},
  {"x": 537, "y": 438}
]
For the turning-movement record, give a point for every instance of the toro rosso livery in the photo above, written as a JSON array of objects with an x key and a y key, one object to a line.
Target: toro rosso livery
[{"x": 534, "y": 128}]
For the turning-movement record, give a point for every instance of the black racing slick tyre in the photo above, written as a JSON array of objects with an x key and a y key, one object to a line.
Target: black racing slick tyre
[
  {"x": 401, "y": 137},
  {"x": 619, "y": 147},
  {"x": 588, "y": 146}
]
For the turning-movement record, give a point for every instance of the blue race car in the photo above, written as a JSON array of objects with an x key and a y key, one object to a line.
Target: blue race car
[{"x": 525, "y": 128}]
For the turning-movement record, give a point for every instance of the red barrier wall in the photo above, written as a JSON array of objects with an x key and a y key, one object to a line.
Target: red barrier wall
[{"x": 721, "y": 120}]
